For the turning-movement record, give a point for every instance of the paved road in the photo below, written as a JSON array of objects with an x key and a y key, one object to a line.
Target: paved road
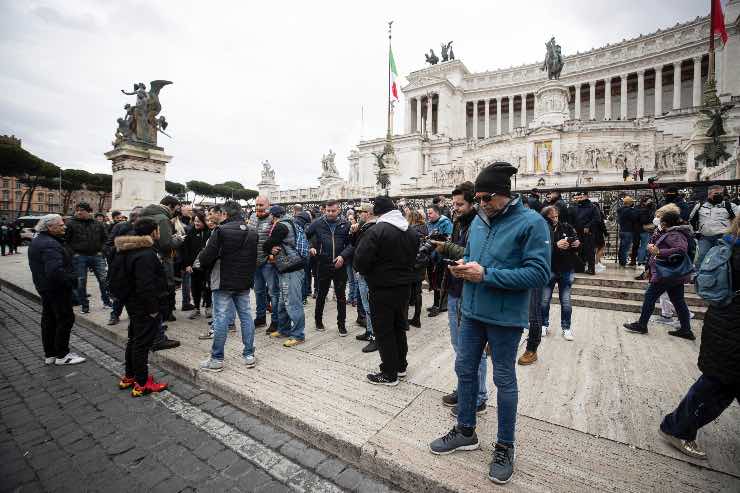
[{"x": 71, "y": 429}]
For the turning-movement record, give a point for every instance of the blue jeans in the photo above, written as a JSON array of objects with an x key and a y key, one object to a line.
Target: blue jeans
[
  {"x": 364, "y": 293},
  {"x": 642, "y": 250},
  {"x": 186, "y": 277},
  {"x": 307, "y": 279},
  {"x": 225, "y": 303},
  {"x": 453, "y": 315},
  {"x": 352, "y": 293},
  {"x": 266, "y": 283},
  {"x": 97, "y": 263},
  {"x": 291, "y": 320},
  {"x": 625, "y": 245},
  {"x": 703, "y": 246},
  {"x": 676, "y": 295},
  {"x": 703, "y": 403},
  {"x": 504, "y": 342},
  {"x": 564, "y": 280}
]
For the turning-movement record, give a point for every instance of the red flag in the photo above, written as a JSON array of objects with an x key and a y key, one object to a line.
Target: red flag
[{"x": 718, "y": 21}]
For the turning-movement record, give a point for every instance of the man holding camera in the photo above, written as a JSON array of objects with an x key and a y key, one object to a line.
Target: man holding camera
[
  {"x": 507, "y": 255},
  {"x": 440, "y": 229}
]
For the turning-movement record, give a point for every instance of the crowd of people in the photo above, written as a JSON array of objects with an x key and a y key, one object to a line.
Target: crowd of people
[
  {"x": 492, "y": 261},
  {"x": 10, "y": 236}
]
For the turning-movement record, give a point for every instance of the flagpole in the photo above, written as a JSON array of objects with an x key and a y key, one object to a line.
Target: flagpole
[{"x": 390, "y": 25}]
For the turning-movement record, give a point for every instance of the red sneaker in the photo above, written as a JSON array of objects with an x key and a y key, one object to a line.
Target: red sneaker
[
  {"x": 126, "y": 382},
  {"x": 148, "y": 388}
]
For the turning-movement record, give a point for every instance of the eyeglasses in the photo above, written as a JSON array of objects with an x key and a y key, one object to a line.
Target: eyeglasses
[{"x": 484, "y": 198}]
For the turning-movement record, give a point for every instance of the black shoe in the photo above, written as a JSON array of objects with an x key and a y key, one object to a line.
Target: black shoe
[
  {"x": 85, "y": 309},
  {"x": 478, "y": 410},
  {"x": 430, "y": 308},
  {"x": 113, "y": 321},
  {"x": 641, "y": 277},
  {"x": 433, "y": 312},
  {"x": 636, "y": 327},
  {"x": 591, "y": 272},
  {"x": 171, "y": 318},
  {"x": 362, "y": 322},
  {"x": 187, "y": 307},
  {"x": 259, "y": 322},
  {"x": 381, "y": 379},
  {"x": 165, "y": 344},
  {"x": 342, "y": 331},
  {"x": 320, "y": 326},
  {"x": 682, "y": 334},
  {"x": 363, "y": 337},
  {"x": 271, "y": 328},
  {"x": 450, "y": 400},
  {"x": 415, "y": 322},
  {"x": 372, "y": 346}
]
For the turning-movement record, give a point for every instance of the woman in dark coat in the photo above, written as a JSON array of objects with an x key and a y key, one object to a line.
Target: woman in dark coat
[
  {"x": 194, "y": 242},
  {"x": 719, "y": 362},
  {"x": 417, "y": 224}
]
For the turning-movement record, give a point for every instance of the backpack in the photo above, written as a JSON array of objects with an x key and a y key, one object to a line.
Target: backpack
[
  {"x": 694, "y": 221},
  {"x": 119, "y": 282},
  {"x": 714, "y": 280},
  {"x": 301, "y": 242}
]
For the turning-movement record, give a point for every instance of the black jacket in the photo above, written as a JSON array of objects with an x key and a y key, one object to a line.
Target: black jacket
[
  {"x": 561, "y": 207},
  {"x": 643, "y": 216},
  {"x": 143, "y": 272},
  {"x": 231, "y": 255},
  {"x": 719, "y": 354},
  {"x": 584, "y": 215},
  {"x": 626, "y": 217},
  {"x": 386, "y": 253},
  {"x": 195, "y": 241},
  {"x": 51, "y": 264},
  {"x": 85, "y": 237},
  {"x": 562, "y": 260},
  {"x": 120, "y": 229},
  {"x": 330, "y": 245}
]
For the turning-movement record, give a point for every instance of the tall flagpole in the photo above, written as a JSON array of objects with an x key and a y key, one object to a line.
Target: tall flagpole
[
  {"x": 710, "y": 86},
  {"x": 390, "y": 26}
]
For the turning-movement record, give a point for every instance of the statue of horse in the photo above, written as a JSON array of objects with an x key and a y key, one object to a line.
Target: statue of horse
[
  {"x": 432, "y": 59},
  {"x": 553, "y": 60}
]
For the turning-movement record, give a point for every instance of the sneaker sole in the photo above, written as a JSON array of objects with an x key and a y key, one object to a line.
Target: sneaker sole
[
  {"x": 477, "y": 413},
  {"x": 212, "y": 370},
  {"x": 448, "y": 405},
  {"x": 387, "y": 384},
  {"x": 250, "y": 365},
  {"x": 462, "y": 448},
  {"x": 343, "y": 335}
]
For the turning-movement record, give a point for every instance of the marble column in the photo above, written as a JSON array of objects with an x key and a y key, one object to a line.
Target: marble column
[
  {"x": 418, "y": 115},
  {"x": 429, "y": 127},
  {"x": 487, "y": 116},
  {"x": 640, "y": 94},
  {"x": 697, "y": 82},
  {"x": 475, "y": 119},
  {"x": 676, "y": 85},
  {"x": 498, "y": 115},
  {"x": 577, "y": 112},
  {"x": 524, "y": 110},
  {"x": 511, "y": 114},
  {"x": 623, "y": 98},
  {"x": 608, "y": 98},
  {"x": 592, "y": 100},
  {"x": 658, "y": 91}
]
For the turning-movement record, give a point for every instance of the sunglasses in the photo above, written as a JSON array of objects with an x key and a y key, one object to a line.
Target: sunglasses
[{"x": 484, "y": 198}]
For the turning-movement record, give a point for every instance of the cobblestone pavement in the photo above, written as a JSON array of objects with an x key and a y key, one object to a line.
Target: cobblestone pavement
[{"x": 70, "y": 428}]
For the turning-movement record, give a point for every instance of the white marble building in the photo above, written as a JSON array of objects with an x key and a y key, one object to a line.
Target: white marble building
[{"x": 629, "y": 105}]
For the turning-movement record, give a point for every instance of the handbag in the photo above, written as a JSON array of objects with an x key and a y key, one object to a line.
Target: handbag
[{"x": 675, "y": 266}]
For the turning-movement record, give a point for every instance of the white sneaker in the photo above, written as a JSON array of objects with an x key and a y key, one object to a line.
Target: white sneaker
[
  {"x": 568, "y": 335},
  {"x": 250, "y": 361},
  {"x": 206, "y": 335},
  {"x": 545, "y": 328},
  {"x": 600, "y": 268},
  {"x": 194, "y": 315},
  {"x": 660, "y": 319},
  {"x": 49, "y": 361},
  {"x": 70, "y": 359},
  {"x": 213, "y": 365}
]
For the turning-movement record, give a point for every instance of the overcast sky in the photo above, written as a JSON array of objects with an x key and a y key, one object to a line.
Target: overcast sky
[{"x": 276, "y": 80}]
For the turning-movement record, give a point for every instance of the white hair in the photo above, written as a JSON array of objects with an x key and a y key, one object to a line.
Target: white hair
[{"x": 45, "y": 221}]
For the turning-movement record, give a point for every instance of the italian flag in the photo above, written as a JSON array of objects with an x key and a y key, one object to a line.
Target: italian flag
[{"x": 394, "y": 74}]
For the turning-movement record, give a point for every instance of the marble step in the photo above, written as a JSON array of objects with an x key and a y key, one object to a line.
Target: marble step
[
  {"x": 621, "y": 305},
  {"x": 618, "y": 282},
  {"x": 632, "y": 294}
]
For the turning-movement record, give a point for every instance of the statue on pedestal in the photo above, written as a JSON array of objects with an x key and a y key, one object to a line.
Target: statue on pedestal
[
  {"x": 714, "y": 151},
  {"x": 432, "y": 59},
  {"x": 553, "y": 60},
  {"x": 447, "y": 53},
  {"x": 268, "y": 174},
  {"x": 140, "y": 125},
  {"x": 327, "y": 164}
]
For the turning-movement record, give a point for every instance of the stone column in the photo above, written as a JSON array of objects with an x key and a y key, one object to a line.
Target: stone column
[
  {"x": 640, "y": 93},
  {"x": 623, "y": 98},
  {"x": 608, "y": 98},
  {"x": 658, "y": 91},
  {"x": 430, "y": 114},
  {"x": 524, "y": 109},
  {"x": 592, "y": 100},
  {"x": 676, "y": 85},
  {"x": 475, "y": 119},
  {"x": 498, "y": 115},
  {"x": 407, "y": 116},
  {"x": 697, "y": 82},
  {"x": 577, "y": 112},
  {"x": 511, "y": 114},
  {"x": 418, "y": 115},
  {"x": 487, "y": 116}
]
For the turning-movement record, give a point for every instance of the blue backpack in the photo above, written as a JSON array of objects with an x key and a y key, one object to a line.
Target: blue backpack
[
  {"x": 301, "y": 242},
  {"x": 714, "y": 280}
]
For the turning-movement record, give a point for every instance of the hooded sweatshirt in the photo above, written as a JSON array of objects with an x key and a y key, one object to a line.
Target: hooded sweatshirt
[{"x": 386, "y": 252}]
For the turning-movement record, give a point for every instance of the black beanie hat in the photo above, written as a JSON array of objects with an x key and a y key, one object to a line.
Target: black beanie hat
[
  {"x": 495, "y": 178},
  {"x": 382, "y": 204}
]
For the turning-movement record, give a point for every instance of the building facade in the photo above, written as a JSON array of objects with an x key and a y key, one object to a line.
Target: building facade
[{"x": 626, "y": 106}]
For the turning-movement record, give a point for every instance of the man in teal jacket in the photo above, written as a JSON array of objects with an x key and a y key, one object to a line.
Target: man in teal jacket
[{"x": 508, "y": 253}]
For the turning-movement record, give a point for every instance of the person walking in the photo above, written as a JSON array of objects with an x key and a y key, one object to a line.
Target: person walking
[
  {"x": 719, "y": 363},
  {"x": 498, "y": 276},
  {"x": 643, "y": 230},
  {"x": 266, "y": 285},
  {"x": 331, "y": 244},
  {"x": 85, "y": 237},
  {"x": 303, "y": 219},
  {"x": 121, "y": 228},
  {"x": 711, "y": 218},
  {"x": 670, "y": 240},
  {"x": 54, "y": 278},
  {"x": 139, "y": 281},
  {"x": 231, "y": 256},
  {"x": 440, "y": 227},
  {"x": 282, "y": 244},
  {"x": 585, "y": 218},
  {"x": 195, "y": 241},
  {"x": 417, "y": 224},
  {"x": 626, "y": 217},
  {"x": 385, "y": 258},
  {"x": 367, "y": 221}
]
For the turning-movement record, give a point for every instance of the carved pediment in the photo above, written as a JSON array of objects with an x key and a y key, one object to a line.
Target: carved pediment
[
  {"x": 418, "y": 82},
  {"x": 545, "y": 131}
]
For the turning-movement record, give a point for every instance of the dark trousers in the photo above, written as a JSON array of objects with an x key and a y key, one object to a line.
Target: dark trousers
[
  {"x": 389, "y": 311},
  {"x": 57, "y": 319},
  {"x": 142, "y": 330},
  {"x": 2, "y": 246},
  {"x": 535, "y": 320},
  {"x": 415, "y": 300},
  {"x": 703, "y": 403},
  {"x": 675, "y": 294},
  {"x": 200, "y": 291},
  {"x": 326, "y": 274},
  {"x": 588, "y": 250}
]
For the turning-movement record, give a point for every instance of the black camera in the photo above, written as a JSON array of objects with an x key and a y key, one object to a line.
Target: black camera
[{"x": 423, "y": 256}]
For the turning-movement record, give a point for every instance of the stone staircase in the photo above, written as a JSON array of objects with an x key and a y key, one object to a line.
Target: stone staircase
[{"x": 616, "y": 289}]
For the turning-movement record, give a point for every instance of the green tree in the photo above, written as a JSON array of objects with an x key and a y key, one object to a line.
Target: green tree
[
  {"x": 102, "y": 185},
  {"x": 174, "y": 188},
  {"x": 205, "y": 190},
  {"x": 72, "y": 181}
]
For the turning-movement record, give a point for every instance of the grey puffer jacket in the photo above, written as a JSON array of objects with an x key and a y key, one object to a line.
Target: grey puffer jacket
[{"x": 262, "y": 226}]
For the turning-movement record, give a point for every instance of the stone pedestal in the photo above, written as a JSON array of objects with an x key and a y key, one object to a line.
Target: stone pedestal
[
  {"x": 550, "y": 105},
  {"x": 138, "y": 175},
  {"x": 330, "y": 186}
]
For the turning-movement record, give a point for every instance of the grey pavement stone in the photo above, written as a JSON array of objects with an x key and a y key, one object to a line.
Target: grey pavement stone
[
  {"x": 368, "y": 485},
  {"x": 208, "y": 449},
  {"x": 238, "y": 469},
  {"x": 349, "y": 478},
  {"x": 223, "y": 459},
  {"x": 330, "y": 468}
]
